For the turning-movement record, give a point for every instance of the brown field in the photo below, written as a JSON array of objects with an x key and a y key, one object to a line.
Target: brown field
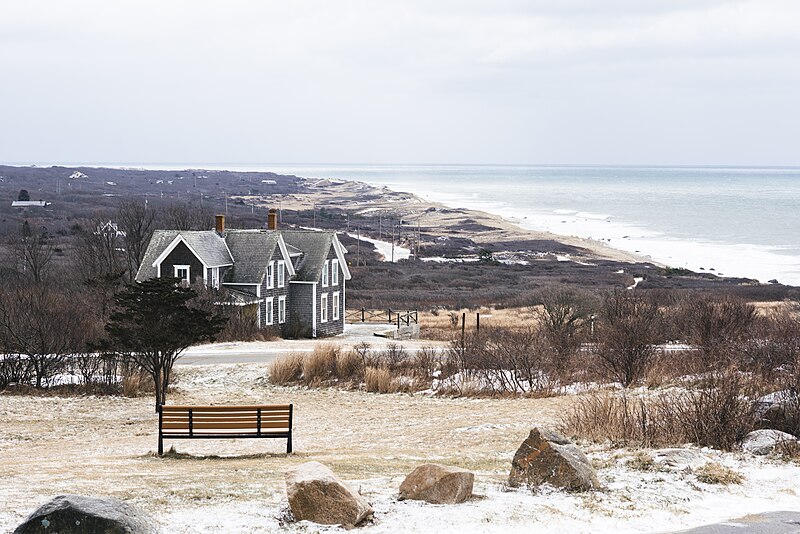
[{"x": 105, "y": 445}]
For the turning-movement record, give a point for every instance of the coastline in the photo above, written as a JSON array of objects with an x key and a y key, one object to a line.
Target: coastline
[{"x": 435, "y": 218}]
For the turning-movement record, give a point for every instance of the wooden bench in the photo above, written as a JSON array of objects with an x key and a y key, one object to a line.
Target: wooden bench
[{"x": 224, "y": 422}]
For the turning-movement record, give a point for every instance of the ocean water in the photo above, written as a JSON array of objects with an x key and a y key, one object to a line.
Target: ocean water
[{"x": 724, "y": 220}]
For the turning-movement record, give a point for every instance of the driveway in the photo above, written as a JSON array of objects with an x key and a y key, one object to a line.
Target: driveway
[{"x": 769, "y": 523}]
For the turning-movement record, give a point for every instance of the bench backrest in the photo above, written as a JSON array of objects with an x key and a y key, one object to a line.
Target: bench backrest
[{"x": 199, "y": 420}]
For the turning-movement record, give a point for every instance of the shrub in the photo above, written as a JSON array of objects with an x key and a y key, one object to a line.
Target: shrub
[
  {"x": 378, "y": 380},
  {"x": 716, "y": 413},
  {"x": 320, "y": 365},
  {"x": 714, "y": 473},
  {"x": 287, "y": 370},
  {"x": 349, "y": 366}
]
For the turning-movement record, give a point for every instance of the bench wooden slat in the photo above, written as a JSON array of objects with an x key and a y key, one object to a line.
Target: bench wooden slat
[
  {"x": 264, "y": 408},
  {"x": 212, "y": 418},
  {"x": 210, "y": 422},
  {"x": 199, "y": 426}
]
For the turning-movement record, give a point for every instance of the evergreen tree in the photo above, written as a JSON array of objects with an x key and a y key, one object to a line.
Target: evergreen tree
[{"x": 155, "y": 323}]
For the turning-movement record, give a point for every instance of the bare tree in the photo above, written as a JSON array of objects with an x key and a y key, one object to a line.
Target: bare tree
[
  {"x": 187, "y": 217},
  {"x": 43, "y": 324},
  {"x": 33, "y": 251},
  {"x": 713, "y": 323},
  {"x": 137, "y": 221},
  {"x": 627, "y": 334},
  {"x": 562, "y": 314}
]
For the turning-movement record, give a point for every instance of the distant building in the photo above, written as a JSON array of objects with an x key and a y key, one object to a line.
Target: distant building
[
  {"x": 269, "y": 182},
  {"x": 30, "y": 203},
  {"x": 293, "y": 280}
]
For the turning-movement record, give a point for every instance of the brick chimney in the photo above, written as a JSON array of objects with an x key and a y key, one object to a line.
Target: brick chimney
[
  {"x": 220, "y": 224},
  {"x": 272, "y": 219}
]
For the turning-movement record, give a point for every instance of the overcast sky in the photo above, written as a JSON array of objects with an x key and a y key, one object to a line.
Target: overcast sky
[{"x": 415, "y": 81}]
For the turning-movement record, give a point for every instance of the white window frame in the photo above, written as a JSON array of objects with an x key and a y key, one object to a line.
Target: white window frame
[
  {"x": 270, "y": 311},
  {"x": 336, "y": 303},
  {"x": 325, "y": 270},
  {"x": 334, "y": 272},
  {"x": 281, "y": 273},
  {"x": 323, "y": 308},
  {"x": 281, "y": 310},
  {"x": 188, "y": 279},
  {"x": 271, "y": 275}
]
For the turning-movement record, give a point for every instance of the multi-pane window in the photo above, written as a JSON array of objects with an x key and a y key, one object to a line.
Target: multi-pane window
[
  {"x": 281, "y": 310},
  {"x": 325, "y": 269},
  {"x": 182, "y": 272},
  {"x": 281, "y": 273},
  {"x": 270, "y": 319},
  {"x": 334, "y": 272},
  {"x": 323, "y": 308},
  {"x": 271, "y": 275},
  {"x": 335, "y": 303}
]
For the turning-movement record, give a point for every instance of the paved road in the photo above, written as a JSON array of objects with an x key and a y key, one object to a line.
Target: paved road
[
  {"x": 769, "y": 523},
  {"x": 266, "y": 351}
]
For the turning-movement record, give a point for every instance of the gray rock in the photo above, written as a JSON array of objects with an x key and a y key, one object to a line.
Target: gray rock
[
  {"x": 779, "y": 411},
  {"x": 547, "y": 457},
  {"x": 438, "y": 484},
  {"x": 765, "y": 441},
  {"x": 679, "y": 459},
  {"x": 315, "y": 494},
  {"x": 75, "y": 514}
]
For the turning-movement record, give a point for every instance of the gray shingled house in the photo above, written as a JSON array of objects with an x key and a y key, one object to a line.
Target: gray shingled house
[{"x": 293, "y": 279}]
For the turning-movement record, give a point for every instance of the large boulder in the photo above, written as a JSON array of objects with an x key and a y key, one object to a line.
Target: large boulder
[
  {"x": 438, "y": 484},
  {"x": 315, "y": 494},
  {"x": 779, "y": 411},
  {"x": 765, "y": 441},
  {"x": 547, "y": 457},
  {"x": 75, "y": 514}
]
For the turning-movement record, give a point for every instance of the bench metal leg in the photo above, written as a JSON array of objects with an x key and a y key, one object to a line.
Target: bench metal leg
[{"x": 289, "y": 444}]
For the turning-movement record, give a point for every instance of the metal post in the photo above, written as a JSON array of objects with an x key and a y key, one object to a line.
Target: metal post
[
  {"x": 362, "y": 315},
  {"x": 478, "y": 321},
  {"x": 289, "y": 440},
  {"x": 191, "y": 423},
  {"x": 258, "y": 422}
]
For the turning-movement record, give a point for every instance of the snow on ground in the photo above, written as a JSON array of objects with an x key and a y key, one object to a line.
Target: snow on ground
[
  {"x": 103, "y": 446},
  {"x": 384, "y": 248}
]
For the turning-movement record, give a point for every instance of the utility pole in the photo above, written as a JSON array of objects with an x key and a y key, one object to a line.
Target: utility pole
[
  {"x": 380, "y": 225},
  {"x": 314, "y": 209},
  {"x": 392, "y": 244},
  {"x": 358, "y": 247},
  {"x": 348, "y": 221}
]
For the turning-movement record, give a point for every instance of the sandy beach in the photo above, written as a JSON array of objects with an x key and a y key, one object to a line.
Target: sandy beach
[{"x": 433, "y": 219}]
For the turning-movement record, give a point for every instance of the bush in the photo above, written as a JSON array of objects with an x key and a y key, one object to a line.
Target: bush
[
  {"x": 714, "y": 473},
  {"x": 716, "y": 413},
  {"x": 378, "y": 380},
  {"x": 287, "y": 370},
  {"x": 320, "y": 365}
]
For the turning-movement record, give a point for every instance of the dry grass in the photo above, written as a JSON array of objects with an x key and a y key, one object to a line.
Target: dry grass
[
  {"x": 378, "y": 380},
  {"x": 714, "y": 473},
  {"x": 445, "y": 325},
  {"x": 320, "y": 365},
  {"x": 287, "y": 370},
  {"x": 641, "y": 461},
  {"x": 717, "y": 413}
]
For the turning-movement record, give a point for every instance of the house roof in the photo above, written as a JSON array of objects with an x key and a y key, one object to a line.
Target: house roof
[
  {"x": 315, "y": 247},
  {"x": 248, "y": 251},
  {"x": 252, "y": 250},
  {"x": 207, "y": 245}
]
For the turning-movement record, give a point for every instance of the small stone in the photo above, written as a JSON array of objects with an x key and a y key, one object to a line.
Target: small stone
[
  {"x": 438, "y": 484},
  {"x": 761, "y": 442},
  {"x": 677, "y": 459},
  {"x": 547, "y": 457}
]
